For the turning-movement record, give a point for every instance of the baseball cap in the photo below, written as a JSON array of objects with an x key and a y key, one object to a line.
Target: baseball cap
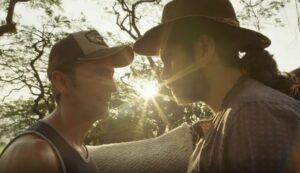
[{"x": 87, "y": 46}]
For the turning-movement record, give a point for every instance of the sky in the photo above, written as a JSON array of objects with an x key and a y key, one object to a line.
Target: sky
[{"x": 285, "y": 40}]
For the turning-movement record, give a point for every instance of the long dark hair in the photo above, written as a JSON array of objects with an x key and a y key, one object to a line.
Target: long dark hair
[
  {"x": 256, "y": 61},
  {"x": 260, "y": 65}
]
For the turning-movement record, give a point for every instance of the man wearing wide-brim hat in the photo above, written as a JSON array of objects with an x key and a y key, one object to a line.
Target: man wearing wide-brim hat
[{"x": 208, "y": 57}]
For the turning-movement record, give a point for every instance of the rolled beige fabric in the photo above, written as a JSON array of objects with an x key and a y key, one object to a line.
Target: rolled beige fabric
[{"x": 168, "y": 153}]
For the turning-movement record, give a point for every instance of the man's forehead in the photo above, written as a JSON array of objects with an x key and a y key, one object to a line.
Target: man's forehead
[{"x": 169, "y": 49}]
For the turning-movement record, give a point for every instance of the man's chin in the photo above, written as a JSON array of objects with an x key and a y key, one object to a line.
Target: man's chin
[
  {"x": 103, "y": 115},
  {"x": 180, "y": 100},
  {"x": 190, "y": 93},
  {"x": 99, "y": 114}
]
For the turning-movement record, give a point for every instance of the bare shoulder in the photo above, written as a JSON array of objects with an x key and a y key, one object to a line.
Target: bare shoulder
[{"x": 29, "y": 153}]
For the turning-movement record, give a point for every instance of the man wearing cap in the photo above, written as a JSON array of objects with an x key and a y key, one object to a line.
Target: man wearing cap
[
  {"x": 80, "y": 68},
  {"x": 208, "y": 57}
]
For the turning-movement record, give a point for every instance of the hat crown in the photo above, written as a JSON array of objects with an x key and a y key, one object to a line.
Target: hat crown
[
  {"x": 179, "y": 15},
  {"x": 86, "y": 46},
  {"x": 218, "y": 9},
  {"x": 89, "y": 41}
]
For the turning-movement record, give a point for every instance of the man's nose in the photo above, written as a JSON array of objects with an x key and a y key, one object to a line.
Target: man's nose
[
  {"x": 165, "y": 74},
  {"x": 113, "y": 87},
  {"x": 109, "y": 85}
]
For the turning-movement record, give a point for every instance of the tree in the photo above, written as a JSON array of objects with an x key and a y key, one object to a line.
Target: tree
[
  {"x": 23, "y": 59},
  {"x": 23, "y": 63},
  {"x": 9, "y": 26},
  {"x": 257, "y": 12}
]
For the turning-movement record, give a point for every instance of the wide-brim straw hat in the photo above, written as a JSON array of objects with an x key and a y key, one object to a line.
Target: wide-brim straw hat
[{"x": 216, "y": 14}]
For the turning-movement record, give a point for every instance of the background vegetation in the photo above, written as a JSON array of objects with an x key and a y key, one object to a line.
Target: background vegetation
[{"x": 25, "y": 47}]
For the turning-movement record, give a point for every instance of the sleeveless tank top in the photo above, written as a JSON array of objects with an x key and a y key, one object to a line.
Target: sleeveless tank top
[{"x": 70, "y": 160}]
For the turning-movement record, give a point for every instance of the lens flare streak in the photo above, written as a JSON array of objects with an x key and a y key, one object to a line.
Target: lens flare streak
[{"x": 147, "y": 89}]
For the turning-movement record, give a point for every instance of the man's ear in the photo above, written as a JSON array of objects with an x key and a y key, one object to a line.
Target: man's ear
[
  {"x": 204, "y": 49},
  {"x": 60, "y": 81}
]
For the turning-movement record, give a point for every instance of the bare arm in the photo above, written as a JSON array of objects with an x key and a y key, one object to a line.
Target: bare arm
[{"x": 29, "y": 154}]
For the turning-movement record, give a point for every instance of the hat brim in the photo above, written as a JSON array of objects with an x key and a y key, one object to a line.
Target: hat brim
[
  {"x": 150, "y": 43},
  {"x": 119, "y": 56}
]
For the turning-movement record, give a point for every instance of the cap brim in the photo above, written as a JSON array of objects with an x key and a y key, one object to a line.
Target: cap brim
[
  {"x": 119, "y": 56},
  {"x": 152, "y": 41}
]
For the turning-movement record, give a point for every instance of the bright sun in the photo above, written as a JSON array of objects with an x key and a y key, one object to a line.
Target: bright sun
[{"x": 147, "y": 89}]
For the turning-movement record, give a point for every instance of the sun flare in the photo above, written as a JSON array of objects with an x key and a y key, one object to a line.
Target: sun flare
[{"x": 147, "y": 89}]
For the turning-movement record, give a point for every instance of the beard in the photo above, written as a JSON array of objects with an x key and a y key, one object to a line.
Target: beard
[
  {"x": 93, "y": 111},
  {"x": 190, "y": 88}
]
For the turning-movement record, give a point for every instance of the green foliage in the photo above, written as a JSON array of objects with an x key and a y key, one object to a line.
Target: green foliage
[
  {"x": 261, "y": 12},
  {"x": 112, "y": 130},
  {"x": 15, "y": 117},
  {"x": 23, "y": 63}
]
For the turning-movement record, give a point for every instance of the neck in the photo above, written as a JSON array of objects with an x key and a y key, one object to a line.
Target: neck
[
  {"x": 69, "y": 125},
  {"x": 221, "y": 84}
]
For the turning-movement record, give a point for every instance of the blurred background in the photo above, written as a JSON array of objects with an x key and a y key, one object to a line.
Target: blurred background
[{"x": 141, "y": 108}]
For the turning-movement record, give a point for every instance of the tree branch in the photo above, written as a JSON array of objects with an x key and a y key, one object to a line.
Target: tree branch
[
  {"x": 298, "y": 14},
  {"x": 120, "y": 22},
  {"x": 11, "y": 91},
  {"x": 133, "y": 16},
  {"x": 250, "y": 7},
  {"x": 10, "y": 26},
  {"x": 133, "y": 29},
  {"x": 37, "y": 77}
]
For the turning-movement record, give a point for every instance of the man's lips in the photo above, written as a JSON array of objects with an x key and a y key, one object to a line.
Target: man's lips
[{"x": 174, "y": 87}]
